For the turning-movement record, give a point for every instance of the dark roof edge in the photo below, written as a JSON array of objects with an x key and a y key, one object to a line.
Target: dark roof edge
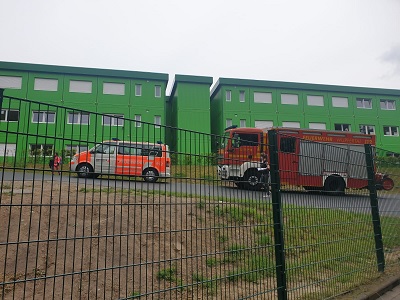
[
  {"x": 82, "y": 71},
  {"x": 300, "y": 86}
]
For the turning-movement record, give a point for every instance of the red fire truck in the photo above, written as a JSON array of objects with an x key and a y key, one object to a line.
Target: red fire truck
[{"x": 315, "y": 159}]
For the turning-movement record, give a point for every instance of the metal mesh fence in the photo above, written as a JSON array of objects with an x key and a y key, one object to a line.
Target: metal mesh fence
[{"x": 125, "y": 216}]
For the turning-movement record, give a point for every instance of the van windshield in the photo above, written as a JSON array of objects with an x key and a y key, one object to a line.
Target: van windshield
[{"x": 104, "y": 149}]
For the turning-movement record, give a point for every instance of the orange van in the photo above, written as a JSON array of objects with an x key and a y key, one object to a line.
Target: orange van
[{"x": 148, "y": 160}]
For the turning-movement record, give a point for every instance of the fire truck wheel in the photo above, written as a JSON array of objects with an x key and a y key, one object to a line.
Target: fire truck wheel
[
  {"x": 335, "y": 185},
  {"x": 252, "y": 178},
  {"x": 150, "y": 175},
  {"x": 84, "y": 170}
]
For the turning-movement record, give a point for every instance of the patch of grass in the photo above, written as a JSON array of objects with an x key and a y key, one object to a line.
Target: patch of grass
[
  {"x": 239, "y": 213},
  {"x": 264, "y": 240},
  {"x": 135, "y": 295},
  {"x": 222, "y": 238},
  {"x": 168, "y": 274},
  {"x": 211, "y": 262}
]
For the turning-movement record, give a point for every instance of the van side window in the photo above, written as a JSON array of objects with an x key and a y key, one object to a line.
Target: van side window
[{"x": 288, "y": 144}]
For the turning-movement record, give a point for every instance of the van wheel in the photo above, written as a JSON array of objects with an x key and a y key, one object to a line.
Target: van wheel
[
  {"x": 335, "y": 185},
  {"x": 150, "y": 175},
  {"x": 85, "y": 170},
  {"x": 252, "y": 180}
]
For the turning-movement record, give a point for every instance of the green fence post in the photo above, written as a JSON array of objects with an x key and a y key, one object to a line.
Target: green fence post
[
  {"x": 373, "y": 196},
  {"x": 277, "y": 215}
]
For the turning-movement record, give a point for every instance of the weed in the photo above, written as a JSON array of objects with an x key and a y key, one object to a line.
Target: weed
[{"x": 211, "y": 262}]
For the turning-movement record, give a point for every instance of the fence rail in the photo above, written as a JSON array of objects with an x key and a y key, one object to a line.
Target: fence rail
[{"x": 114, "y": 233}]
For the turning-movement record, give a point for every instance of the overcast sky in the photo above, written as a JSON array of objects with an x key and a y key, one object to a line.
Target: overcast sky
[{"x": 341, "y": 42}]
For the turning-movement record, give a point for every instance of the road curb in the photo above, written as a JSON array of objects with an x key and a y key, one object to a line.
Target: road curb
[{"x": 383, "y": 288}]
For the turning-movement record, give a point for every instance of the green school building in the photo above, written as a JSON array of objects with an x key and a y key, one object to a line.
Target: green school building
[{"x": 89, "y": 105}]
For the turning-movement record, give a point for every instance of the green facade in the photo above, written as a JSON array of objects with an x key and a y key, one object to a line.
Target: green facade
[
  {"x": 188, "y": 109},
  {"x": 190, "y": 113},
  {"x": 91, "y": 96},
  {"x": 308, "y": 105}
]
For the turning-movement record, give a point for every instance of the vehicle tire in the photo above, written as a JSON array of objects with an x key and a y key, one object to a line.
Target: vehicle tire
[
  {"x": 335, "y": 185},
  {"x": 150, "y": 175},
  {"x": 387, "y": 184},
  {"x": 252, "y": 180},
  {"x": 84, "y": 170}
]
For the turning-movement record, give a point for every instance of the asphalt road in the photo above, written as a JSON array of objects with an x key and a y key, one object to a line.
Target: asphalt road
[{"x": 389, "y": 203}]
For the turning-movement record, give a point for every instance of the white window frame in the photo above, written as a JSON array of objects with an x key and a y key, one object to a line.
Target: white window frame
[
  {"x": 80, "y": 86},
  {"x": 391, "y": 131},
  {"x": 262, "y": 97},
  {"x": 291, "y": 124},
  {"x": 342, "y": 127},
  {"x": 114, "y": 119},
  {"x": 364, "y": 128},
  {"x": 45, "y": 84},
  {"x": 138, "y": 90},
  {"x": 340, "y": 102},
  {"x": 157, "y": 91},
  {"x": 78, "y": 118},
  {"x": 316, "y": 125},
  {"x": 364, "y": 103},
  {"x": 6, "y": 112},
  {"x": 242, "y": 96},
  {"x": 315, "y": 100},
  {"x": 157, "y": 121},
  {"x": 228, "y": 123},
  {"x": 263, "y": 123},
  {"x": 385, "y": 101},
  {"x": 8, "y": 150},
  {"x": 44, "y": 116},
  {"x": 42, "y": 147},
  {"x": 114, "y": 88},
  {"x": 10, "y": 82},
  {"x": 290, "y": 99},
  {"x": 228, "y": 95},
  {"x": 138, "y": 120},
  {"x": 242, "y": 122}
]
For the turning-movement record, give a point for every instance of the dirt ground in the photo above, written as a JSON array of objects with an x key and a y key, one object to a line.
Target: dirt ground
[{"x": 60, "y": 240}]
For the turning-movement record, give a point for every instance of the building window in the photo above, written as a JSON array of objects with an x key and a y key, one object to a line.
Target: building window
[
  {"x": 388, "y": 105},
  {"x": 315, "y": 101},
  {"x": 9, "y": 115},
  {"x": 43, "y": 117},
  {"x": 291, "y": 124},
  {"x": 138, "y": 120},
  {"x": 260, "y": 97},
  {"x": 367, "y": 129},
  {"x": 111, "y": 88},
  {"x": 263, "y": 124},
  {"x": 391, "y": 130},
  {"x": 78, "y": 118},
  {"x": 157, "y": 121},
  {"x": 228, "y": 122},
  {"x": 41, "y": 150},
  {"x": 243, "y": 123},
  {"x": 228, "y": 95},
  {"x": 43, "y": 84},
  {"x": 342, "y": 127},
  {"x": 321, "y": 126},
  {"x": 364, "y": 103},
  {"x": 157, "y": 91},
  {"x": 10, "y": 82},
  {"x": 113, "y": 120},
  {"x": 71, "y": 150},
  {"x": 138, "y": 90},
  {"x": 242, "y": 96},
  {"x": 340, "y": 102},
  {"x": 80, "y": 86},
  {"x": 290, "y": 99},
  {"x": 8, "y": 150}
]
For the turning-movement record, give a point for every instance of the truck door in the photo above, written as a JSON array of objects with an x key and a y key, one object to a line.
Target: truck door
[
  {"x": 288, "y": 159},
  {"x": 105, "y": 158},
  {"x": 245, "y": 147}
]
